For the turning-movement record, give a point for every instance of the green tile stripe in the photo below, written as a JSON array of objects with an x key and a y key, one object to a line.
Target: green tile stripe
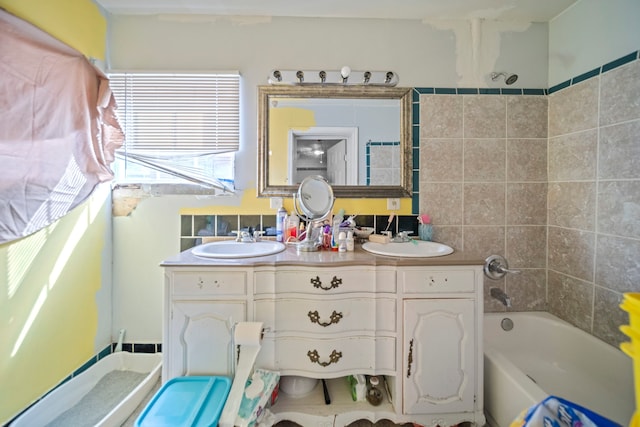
[{"x": 596, "y": 71}]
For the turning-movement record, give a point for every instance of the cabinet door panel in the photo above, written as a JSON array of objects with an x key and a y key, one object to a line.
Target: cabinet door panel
[
  {"x": 203, "y": 337},
  {"x": 438, "y": 356}
]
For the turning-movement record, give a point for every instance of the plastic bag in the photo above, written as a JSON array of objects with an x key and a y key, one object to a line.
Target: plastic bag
[{"x": 557, "y": 412}]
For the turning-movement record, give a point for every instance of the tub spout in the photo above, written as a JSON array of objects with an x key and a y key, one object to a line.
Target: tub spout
[{"x": 501, "y": 296}]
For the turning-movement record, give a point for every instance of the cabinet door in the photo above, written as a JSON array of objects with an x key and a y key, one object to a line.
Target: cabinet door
[
  {"x": 439, "y": 356},
  {"x": 201, "y": 335}
]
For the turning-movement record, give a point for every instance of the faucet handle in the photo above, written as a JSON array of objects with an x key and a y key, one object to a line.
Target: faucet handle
[
  {"x": 496, "y": 266},
  {"x": 257, "y": 235}
]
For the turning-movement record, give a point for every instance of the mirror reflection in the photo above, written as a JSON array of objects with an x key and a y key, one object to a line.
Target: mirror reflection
[{"x": 358, "y": 139}]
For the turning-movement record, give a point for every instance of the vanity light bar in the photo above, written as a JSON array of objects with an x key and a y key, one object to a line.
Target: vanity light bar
[{"x": 343, "y": 77}]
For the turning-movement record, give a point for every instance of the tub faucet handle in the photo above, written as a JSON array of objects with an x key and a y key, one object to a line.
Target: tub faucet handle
[{"x": 496, "y": 266}]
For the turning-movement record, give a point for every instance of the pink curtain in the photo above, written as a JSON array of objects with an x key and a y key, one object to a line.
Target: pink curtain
[{"x": 58, "y": 128}]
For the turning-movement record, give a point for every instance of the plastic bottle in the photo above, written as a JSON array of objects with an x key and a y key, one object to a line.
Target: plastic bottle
[
  {"x": 350, "y": 241},
  {"x": 291, "y": 229},
  {"x": 342, "y": 242},
  {"x": 280, "y": 218}
]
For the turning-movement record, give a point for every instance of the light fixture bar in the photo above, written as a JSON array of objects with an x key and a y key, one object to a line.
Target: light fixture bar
[{"x": 342, "y": 77}]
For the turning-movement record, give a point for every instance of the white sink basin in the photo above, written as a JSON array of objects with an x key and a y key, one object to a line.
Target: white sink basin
[
  {"x": 232, "y": 249},
  {"x": 415, "y": 249}
]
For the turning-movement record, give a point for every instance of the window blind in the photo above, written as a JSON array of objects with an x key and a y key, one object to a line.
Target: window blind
[{"x": 177, "y": 114}]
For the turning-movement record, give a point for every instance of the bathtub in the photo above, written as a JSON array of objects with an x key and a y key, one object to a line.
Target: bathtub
[
  {"x": 70, "y": 393},
  {"x": 543, "y": 355}
]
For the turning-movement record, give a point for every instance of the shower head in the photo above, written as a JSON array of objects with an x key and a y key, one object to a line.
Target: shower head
[{"x": 508, "y": 78}]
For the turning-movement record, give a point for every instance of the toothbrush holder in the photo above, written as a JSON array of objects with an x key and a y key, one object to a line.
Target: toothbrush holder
[{"x": 425, "y": 231}]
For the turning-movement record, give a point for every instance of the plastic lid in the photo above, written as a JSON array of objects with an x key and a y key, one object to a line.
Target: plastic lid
[{"x": 374, "y": 381}]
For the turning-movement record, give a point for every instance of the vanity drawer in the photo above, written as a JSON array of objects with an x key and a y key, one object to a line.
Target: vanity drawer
[
  {"x": 437, "y": 281},
  {"x": 325, "y": 280},
  {"x": 327, "y": 316},
  {"x": 211, "y": 282},
  {"x": 328, "y": 358}
]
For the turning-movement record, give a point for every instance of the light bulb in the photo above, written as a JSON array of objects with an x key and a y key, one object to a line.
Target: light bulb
[{"x": 345, "y": 71}]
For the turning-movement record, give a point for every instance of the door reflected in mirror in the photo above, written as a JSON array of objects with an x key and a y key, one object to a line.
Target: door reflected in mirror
[{"x": 357, "y": 138}]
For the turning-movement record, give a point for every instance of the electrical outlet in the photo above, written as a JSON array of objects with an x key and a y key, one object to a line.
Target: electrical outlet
[
  {"x": 393, "y": 204},
  {"x": 276, "y": 202}
]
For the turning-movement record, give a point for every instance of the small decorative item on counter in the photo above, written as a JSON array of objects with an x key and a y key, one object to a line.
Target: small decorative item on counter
[
  {"x": 425, "y": 230},
  {"x": 374, "y": 394}
]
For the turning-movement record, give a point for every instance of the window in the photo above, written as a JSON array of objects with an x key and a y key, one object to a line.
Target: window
[{"x": 177, "y": 127}]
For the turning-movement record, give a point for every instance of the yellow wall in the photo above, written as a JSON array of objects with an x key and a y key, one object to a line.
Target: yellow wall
[
  {"x": 48, "y": 310},
  {"x": 49, "y": 280},
  {"x": 77, "y": 23}
]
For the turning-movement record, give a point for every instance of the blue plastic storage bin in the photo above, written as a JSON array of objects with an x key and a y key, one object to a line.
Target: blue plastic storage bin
[{"x": 186, "y": 402}]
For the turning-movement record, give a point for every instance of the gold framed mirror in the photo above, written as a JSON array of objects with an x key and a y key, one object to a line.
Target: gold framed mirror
[{"x": 357, "y": 137}]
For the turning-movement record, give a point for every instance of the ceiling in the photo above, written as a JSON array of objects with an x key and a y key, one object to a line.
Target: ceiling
[{"x": 505, "y": 10}]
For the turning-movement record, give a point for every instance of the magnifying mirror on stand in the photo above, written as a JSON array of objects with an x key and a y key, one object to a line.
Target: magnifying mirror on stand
[{"x": 312, "y": 203}]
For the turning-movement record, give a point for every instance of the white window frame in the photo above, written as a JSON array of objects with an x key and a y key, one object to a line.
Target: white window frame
[{"x": 179, "y": 127}]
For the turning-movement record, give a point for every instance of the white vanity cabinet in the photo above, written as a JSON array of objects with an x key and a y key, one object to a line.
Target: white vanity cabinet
[{"x": 418, "y": 324}]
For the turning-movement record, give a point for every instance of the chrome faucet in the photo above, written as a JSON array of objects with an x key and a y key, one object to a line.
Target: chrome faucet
[
  {"x": 402, "y": 236},
  {"x": 245, "y": 236},
  {"x": 501, "y": 296}
]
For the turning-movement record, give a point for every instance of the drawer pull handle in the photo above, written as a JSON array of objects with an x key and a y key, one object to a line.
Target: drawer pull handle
[
  {"x": 315, "y": 357},
  {"x": 410, "y": 359},
  {"x": 315, "y": 318},
  {"x": 317, "y": 283}
]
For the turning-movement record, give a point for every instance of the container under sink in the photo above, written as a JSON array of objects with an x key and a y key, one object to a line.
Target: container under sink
[
  {"x": 411, "y": 249},
  {"x": 233, "y": 249}
]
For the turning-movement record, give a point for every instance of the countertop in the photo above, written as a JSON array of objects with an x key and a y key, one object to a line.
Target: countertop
[{"x": 291, "y": 257}]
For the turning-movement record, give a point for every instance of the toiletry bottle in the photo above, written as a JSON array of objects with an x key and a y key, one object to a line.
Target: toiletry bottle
[
  {"x": 350, "y": 241},
  {"x": 291, "y": 230},
  {"x": 280, "y": 218},
  {"x": 374, "y": 394},
  {"x": 342, "y": 242}
]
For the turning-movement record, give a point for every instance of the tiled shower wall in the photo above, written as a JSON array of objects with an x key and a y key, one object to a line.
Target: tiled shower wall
[
  {"x": 483, "y": 180},
  {"x": 594, "y": 200}
]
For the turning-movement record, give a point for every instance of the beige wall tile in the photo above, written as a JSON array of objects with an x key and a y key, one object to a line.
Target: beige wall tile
[
  {"x": 527, "y": 247},
  {"x": 574, "y": 108},
  {"x": 570, "y": 299},
  {"x": 619, "y": 151},
  {"x": 443, "y": 202},
  {"x": 449, "y": 235},
  {"x": 484, "y": 116},
  {"x": 619, "y": 208},
  {"x": 483, "y": 241},
  {"x": 618, "y": 263},
  {"x": 608, "y": 316},
  {"x": 571, "y": 252},
  {"x": 484, "y": 160},
  {"x": 572, "y": 204},
  {"x": 573, "y": 156},
  {"x": 440, "y": 116},
  {"x": 527, "y": 159},
  {"x": 484, "y": 204},
  {"x": 441, "y": 160},
  {"x": 527, "y": 116},
  {"x": 619, "y": 94},
  {"x": 527, "y": 290},
  {"x": 526, "y": 203}
]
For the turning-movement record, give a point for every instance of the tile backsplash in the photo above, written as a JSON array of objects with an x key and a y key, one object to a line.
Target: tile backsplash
[{"x": 195, "y": 227}]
